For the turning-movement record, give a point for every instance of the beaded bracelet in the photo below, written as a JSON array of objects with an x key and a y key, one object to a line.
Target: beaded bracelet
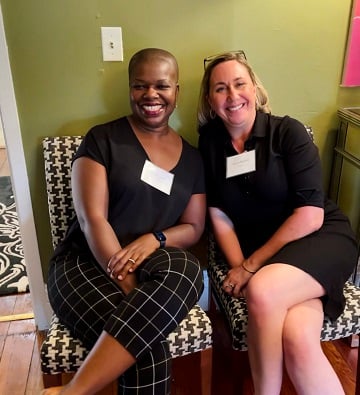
[{"x": 246, "y": 269}]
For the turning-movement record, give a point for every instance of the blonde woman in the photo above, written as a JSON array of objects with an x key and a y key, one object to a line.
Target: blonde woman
[{"x": 288, "y": 248}]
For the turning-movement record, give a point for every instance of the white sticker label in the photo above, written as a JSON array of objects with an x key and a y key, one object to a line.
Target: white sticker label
[
  {"x": 240, "y": 164},
  {"x": 157, "y": 177}
]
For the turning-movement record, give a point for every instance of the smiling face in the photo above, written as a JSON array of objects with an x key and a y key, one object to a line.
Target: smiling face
[
  {"x": 153, "y": 92},
  {"x": 232, "y": 94}
]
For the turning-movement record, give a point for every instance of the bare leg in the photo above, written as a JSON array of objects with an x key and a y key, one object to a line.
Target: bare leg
[
  {"x": 270, "y": 294},
  {"x": 107, "y": 360},
  {"x": 306, "y": 363},
  {"x": 52, "y": 391}
]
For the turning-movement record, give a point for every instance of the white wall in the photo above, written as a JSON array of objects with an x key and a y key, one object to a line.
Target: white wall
[{"x": 20, "y": 183}]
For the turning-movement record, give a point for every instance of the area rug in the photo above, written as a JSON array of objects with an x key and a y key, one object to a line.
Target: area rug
[{"x": 13, "y": 277}]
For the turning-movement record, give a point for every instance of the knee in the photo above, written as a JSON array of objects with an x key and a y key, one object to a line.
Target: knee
[
  {"x": 188, "y": 266},
  {"x": 260, "y": 297},
  {"x": 180, "y": 267}
]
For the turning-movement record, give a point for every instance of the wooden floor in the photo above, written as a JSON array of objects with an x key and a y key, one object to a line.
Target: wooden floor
[
  {"x": 4, "y": 164},
  {"x": 20, "y": 364},
  {"x": 19, "y": 351}
]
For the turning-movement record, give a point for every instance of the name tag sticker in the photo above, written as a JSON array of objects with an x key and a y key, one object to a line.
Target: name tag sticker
[
  {"x": 240, "y": 164},
  {"x": 157, "y": 177}
]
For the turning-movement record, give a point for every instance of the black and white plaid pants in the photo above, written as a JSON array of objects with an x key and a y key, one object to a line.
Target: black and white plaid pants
[{"x": 87, "y": 301}]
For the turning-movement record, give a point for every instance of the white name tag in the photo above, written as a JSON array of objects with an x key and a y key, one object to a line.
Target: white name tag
[
  {"x": 240, "y": 164},
  {"x": 157, "y": 177}
]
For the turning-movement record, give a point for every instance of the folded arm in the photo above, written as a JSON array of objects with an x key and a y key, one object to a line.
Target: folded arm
[{"x": 304, "y": 220}]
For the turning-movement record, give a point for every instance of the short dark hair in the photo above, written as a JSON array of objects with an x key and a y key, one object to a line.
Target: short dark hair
[{"x": 147, "y": 54}]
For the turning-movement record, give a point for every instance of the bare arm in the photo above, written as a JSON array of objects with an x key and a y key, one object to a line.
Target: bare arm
[
  {"x": 226, "y": 237},
  {"x": 191, "y": 224},
  {"x": 91, "y": 197}
]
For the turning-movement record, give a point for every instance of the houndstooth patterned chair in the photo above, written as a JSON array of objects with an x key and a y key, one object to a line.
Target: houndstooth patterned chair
[{"x": 61, "y": 352}]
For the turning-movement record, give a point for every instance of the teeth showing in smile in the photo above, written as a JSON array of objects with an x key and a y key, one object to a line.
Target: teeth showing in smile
[
  {"x": 155, "y": 108},
  {"x": 236, "y": 107}
]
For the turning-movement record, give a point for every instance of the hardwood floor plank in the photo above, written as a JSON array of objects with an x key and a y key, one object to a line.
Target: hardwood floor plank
[
  {"x": 15, "y": 363},
  {"x": 349, "y": 354},
  {"x": 4, "y": 328},
  {"x": 4, "y": 163},
  {"x": 23, "y": 304},
  {"x": 7, "y": 304},
  {"x": 35, "y": 383},
  {"x": 345, "y": 374}
]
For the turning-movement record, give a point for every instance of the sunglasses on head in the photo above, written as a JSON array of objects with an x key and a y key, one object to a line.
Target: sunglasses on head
[{"x": 240, "y": 53}]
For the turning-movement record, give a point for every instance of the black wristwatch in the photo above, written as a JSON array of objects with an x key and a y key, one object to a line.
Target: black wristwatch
[{"x": 161, "y": 237}]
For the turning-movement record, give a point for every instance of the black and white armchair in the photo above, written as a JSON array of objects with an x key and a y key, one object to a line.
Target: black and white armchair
[{"x": 62, "y": 353}]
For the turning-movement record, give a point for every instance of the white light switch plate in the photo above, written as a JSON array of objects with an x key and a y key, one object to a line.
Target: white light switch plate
[{"x": 112, "y": 48}]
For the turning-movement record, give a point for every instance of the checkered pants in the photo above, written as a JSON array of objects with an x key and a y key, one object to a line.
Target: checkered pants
[{"x": 88, "y": 302}]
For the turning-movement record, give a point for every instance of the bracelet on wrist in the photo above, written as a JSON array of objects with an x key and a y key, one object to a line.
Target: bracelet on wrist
[{"x": 248, "y": 270}]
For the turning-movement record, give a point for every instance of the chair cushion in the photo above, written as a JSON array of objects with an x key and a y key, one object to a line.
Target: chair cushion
[
  {"x": 236, "y": 313},
  {"x": 63, "y": 353}
]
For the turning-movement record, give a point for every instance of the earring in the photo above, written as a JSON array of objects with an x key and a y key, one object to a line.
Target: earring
[{"x": 212, "y": 113}]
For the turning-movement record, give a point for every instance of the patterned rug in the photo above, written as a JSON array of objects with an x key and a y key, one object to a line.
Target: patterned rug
[{"x": 13, "y": 278}]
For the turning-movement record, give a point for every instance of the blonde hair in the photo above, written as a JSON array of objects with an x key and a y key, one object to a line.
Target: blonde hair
[{"x": 204, "y": 109}]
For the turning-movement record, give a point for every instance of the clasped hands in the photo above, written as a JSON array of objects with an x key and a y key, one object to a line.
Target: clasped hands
[
  {"x": 129, "y": 258},
  {"x": 235, "y": 282}
]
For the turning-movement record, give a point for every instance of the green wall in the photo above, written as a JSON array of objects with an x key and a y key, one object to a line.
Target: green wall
[{"x": 63, "y": 87}]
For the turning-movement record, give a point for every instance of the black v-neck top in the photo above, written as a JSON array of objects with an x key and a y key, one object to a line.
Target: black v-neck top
[{"x": 135, "y": 207}]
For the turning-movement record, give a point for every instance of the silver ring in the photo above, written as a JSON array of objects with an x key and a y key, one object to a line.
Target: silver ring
[
  {"x": 131, "y": 260},
  {"x": 230, "y": 286}
]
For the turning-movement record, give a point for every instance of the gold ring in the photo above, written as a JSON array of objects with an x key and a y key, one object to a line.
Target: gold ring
[{"x": 131, "y": 260}]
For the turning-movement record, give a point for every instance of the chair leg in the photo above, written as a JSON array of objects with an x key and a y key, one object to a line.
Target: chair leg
[
  {"x": 206, "y": 371},
  {"x": 52, "y": 380},
  {"x": 213, "y": 306},
  {"x": 242, "y": 381}
]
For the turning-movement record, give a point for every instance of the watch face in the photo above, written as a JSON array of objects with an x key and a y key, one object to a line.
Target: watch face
[{"x": 161, "y": 237}]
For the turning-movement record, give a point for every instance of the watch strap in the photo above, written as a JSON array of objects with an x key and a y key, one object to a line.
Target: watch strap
[{"x": 161, "y": 238}]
